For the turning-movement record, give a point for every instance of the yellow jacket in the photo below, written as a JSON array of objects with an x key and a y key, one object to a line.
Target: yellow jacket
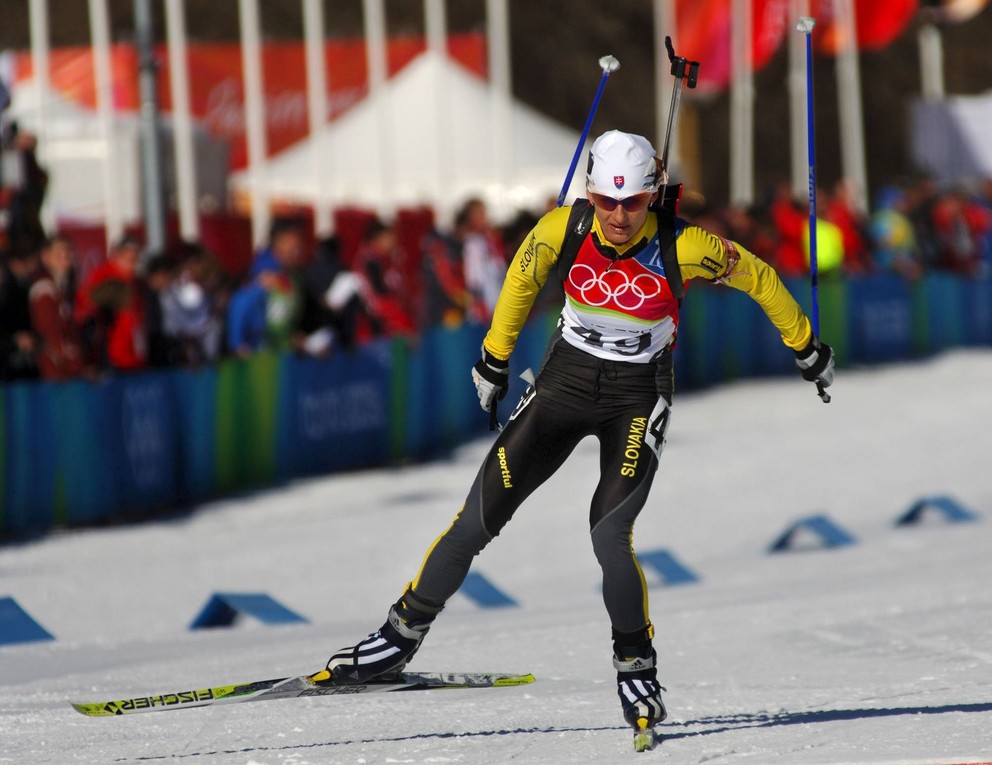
[{"x": 700, "y": 255}]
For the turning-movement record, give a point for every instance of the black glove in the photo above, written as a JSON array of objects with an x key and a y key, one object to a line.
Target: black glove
[
  {"x": 816, "y": 363},
  {"x": 492, "y": 380}
]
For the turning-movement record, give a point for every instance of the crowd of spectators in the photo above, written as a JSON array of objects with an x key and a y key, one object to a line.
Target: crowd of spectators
[
  {"x": 138, "y": 310},
  {"x": 911, "y": 228}
]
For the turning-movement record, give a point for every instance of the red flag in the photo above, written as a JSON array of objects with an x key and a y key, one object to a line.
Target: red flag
[
  {"x": 878, "y": 22},
  {"x": 702, "y": 33}
]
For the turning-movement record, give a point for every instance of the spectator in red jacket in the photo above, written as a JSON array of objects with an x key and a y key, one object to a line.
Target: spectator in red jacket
[
  {"x": 110, "y": 310},
  {"x": 379, "y": 263},
  {"x": 961, "y": 226},
  {"x": 446, "y": 296},
  {"x": 842, "y": 211},
  {"x": 60, "y": 352},
  {"x": 791, "y": 220}
]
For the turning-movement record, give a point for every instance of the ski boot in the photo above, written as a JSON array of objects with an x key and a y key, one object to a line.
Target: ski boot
[
  {"x": 637, "y": 685},
  {"x": 385, "y": 651}
]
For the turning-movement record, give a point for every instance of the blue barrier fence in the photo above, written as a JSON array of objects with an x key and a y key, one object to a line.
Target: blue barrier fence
[{"x": 85, "y": 452}]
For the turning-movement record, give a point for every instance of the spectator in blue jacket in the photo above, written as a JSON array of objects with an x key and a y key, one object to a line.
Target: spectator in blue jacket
[{"x": 264, "y": 313}]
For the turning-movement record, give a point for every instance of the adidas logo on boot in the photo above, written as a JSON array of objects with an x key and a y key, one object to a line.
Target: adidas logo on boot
[{"x": 637, "y": 679}]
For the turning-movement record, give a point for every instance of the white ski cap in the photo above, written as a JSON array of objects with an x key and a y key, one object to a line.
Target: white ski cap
[{"x": 621, "y": 165}]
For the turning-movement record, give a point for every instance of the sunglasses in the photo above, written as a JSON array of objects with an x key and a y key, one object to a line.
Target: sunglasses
[{"x": 632, "y": 204}]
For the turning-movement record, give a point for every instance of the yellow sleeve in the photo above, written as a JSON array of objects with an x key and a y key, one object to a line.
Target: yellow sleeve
[
  {"x": 707, "y": 256},
  {"x": 525, "y": 277}
]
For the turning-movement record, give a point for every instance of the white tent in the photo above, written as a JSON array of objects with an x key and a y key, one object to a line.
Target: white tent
[
  {"x": 428, "y": 137},
  {"x": 73, "y": 149}
]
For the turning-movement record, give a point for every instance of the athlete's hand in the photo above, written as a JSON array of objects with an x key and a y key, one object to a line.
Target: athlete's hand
[
  {"x": 492, "y": 379},
  {"x": 816, "y": 363}
]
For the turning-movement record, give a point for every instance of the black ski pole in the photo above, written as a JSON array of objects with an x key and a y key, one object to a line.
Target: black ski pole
[{"x": 686, "y": 73}]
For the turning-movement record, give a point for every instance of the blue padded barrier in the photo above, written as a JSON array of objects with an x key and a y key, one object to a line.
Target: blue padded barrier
[
  {"x": 946, "y": 507},
  {"x": 224, "y": 608},
  {"x": 17, "y": 626},
  {"x": 817, "y": 531},
  {"x": 484, "y": 593}
]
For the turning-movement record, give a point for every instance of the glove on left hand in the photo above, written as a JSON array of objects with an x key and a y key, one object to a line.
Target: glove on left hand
[
  {"x": 492, "y": 380},
  {"x": 816, "y": 362}
]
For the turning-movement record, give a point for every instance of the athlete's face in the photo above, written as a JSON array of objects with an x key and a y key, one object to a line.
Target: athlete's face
[{"x": 620, "y": 219}]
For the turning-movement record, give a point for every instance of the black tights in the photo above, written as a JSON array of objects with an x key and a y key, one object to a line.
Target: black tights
[{"x": 626, "y": 406}]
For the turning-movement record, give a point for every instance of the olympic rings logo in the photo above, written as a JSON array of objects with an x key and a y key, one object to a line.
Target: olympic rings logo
[{"x": 599, "y": 289}]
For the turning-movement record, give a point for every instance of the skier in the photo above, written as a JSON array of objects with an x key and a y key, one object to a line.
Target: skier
[{"x": 607, "y": 372}]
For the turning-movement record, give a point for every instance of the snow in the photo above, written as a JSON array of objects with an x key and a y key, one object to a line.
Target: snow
[{"x": 873, "y": 653}]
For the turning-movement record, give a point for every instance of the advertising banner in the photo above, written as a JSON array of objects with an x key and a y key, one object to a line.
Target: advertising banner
[{"x": 335, "y": 413}]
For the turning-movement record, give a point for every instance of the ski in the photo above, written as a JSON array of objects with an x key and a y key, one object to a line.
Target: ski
[{"x": 297, "y": 687}]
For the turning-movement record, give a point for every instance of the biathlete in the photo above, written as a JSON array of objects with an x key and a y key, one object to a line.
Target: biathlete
[{"x": 608, "y": 373}]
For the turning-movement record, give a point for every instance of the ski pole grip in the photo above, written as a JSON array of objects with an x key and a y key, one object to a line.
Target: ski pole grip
[{"x": 682, "y": 69}]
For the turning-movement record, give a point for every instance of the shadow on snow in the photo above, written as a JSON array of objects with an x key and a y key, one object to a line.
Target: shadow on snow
[
  {"x": 672, "y": 731},
  {"x": 726, "y": 723}
]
